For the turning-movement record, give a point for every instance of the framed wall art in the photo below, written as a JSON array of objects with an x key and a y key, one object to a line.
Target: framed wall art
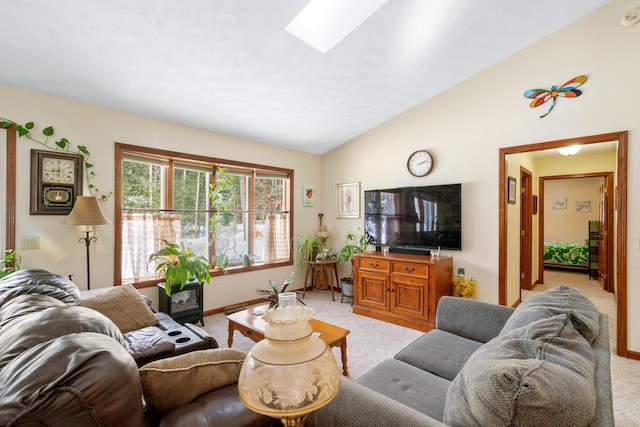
[
  {"x": 583, "y": 205},
  {"x": 560, "y": 203},
  {"x": 511, "y": 190},
  {"x": 308, "y": 192},
  {"x": 56, "y": 181},
  {"x": 348, "y": 200}
]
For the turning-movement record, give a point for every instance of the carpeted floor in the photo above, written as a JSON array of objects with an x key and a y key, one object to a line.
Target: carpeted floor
[{"x": 372, "y": 341}]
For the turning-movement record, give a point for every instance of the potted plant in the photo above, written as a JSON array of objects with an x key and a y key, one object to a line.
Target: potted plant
[
  {"x": 272, "y": 294},
  {"x": 309, "y": 246},
  {"x": 351, "y": 245},
  {"x": 222, "y": 199},
  {"x": 10, "y": 263},
  {"x": 463, "y": 287},
  {"x": 180, "y": 264}
]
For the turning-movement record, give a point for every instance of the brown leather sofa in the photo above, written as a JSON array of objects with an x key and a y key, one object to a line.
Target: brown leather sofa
[{"x": 62, "y": 364}]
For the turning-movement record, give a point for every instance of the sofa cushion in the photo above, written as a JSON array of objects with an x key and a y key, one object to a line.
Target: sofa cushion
[
  {"x": 411, "y": 386},
  {"x": 37, "y": 281},
  {"x": 169, "y": 383},
  {"x": 36, "y": 327},
  {"x": 583, "y": 313},
  {"x": 439, "y": 352},
  {"x": 79, "y": 379},
  {"x": 124, "y": 306},
  {"x": 217, "y": 408},
  {"x": 539, "y": 375}
]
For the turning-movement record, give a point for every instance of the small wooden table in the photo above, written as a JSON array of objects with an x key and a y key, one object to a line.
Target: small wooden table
[
  {"x": 330, "y": 268},
  {"x": 252, "y": 326}
]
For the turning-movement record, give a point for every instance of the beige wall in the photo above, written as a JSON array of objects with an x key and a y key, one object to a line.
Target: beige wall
[
  {"x": 569, "y": 224},
  {"x": 465, "y": 127},
  {"x": 99, "y": 129}
]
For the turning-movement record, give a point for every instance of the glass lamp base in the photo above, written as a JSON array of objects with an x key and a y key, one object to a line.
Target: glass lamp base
[{"x": 293, "y": 421}]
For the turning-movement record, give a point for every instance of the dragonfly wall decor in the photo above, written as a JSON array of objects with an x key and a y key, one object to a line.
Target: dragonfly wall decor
[{"x": 567, "y": 90}]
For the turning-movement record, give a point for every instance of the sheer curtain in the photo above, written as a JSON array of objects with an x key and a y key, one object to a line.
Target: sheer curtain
[
  {"x": 276, "y": 239},
  {"x": 143, "y": 234}
]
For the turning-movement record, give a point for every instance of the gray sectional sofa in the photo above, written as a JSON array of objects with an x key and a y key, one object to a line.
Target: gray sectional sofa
[{"x": 545, "y": 363}]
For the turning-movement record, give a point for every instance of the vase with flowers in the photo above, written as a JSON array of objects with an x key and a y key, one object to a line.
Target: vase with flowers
[{"x": 463, "y": 287}]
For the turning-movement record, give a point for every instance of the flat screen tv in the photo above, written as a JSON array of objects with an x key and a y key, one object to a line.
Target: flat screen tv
[{"x": 423, "y": 217}]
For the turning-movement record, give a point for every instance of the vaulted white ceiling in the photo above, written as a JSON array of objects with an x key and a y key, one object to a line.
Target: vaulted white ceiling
[{"x": 229, "y": 66}]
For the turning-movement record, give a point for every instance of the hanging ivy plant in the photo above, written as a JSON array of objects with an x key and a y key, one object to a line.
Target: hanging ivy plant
[{"x": 25, "y": 131}]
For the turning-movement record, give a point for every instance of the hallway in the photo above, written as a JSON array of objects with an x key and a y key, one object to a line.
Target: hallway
[{"x": 625, "y": 373}]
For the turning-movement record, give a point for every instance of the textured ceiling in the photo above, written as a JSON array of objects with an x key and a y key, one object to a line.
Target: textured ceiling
[{"x": 229, "y": 66}]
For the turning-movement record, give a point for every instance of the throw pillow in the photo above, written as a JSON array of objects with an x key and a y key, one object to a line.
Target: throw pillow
[
  {"x": 124, "y": 306},
  {"x": 172, "y": 382},
  {"x": 539, "y": 375},
  {"x": 583, "y": 313}
]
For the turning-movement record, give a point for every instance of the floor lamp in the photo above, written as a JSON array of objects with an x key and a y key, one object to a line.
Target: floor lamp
[{"x": 86, "y": 212}]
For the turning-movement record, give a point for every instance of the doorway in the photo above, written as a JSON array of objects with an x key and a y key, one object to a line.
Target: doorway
[
  {"x": 601, "y": 183},
  {"x": 620, "y": 219},
  {"x": 526, "y": 231}
]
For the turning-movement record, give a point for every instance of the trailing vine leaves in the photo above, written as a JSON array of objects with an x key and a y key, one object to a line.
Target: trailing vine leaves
[{"x": 25, "y": 131}]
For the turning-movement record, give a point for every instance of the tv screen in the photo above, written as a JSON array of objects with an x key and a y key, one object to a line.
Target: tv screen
[{"x": 427, "y": 217}]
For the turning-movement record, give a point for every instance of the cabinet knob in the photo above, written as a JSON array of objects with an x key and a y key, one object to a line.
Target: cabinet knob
[
  {"x": 409, "y": 270},
  {"x": 373, "y": 265}
]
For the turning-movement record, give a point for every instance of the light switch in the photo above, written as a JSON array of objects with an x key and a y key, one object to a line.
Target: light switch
[{"x": 30, "y": 242}]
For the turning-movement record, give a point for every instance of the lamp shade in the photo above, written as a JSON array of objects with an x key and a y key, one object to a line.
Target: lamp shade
[
  {"x": 291, "y": 372},
  {"x": 86, "y": 211}
]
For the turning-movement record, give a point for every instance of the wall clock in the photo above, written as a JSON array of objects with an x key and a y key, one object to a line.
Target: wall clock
[
  {"x": 420, "y": 163},
  {"x": 56, "y": 181}
]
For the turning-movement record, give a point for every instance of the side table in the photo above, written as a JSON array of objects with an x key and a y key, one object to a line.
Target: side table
[{"x": 329, "y": 266}]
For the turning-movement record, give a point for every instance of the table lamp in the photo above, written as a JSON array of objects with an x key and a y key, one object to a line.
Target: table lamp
[
  {"x": 291, "y": 372},
  {"x": 86, "y": 211}
]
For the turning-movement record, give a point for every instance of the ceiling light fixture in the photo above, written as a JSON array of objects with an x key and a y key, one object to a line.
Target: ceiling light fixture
[
  {"x": 569, "y": 151},
  {"x": 631, "y": 18},
  {"x": 324, "y": 23}
]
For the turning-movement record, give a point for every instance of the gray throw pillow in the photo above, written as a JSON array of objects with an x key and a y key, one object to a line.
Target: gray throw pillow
[
  {"x": 560, "y": 300},
  {"x": 539, "y": 375}
]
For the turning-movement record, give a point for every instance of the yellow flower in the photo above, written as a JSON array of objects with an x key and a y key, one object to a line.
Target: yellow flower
[{"x": 466, "y": 288}]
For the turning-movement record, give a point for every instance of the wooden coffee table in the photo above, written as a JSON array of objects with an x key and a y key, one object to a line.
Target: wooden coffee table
[{"x": 251, "y": 326}]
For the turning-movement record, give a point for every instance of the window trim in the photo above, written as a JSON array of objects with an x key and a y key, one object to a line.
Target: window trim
[{"x": 174, "y": 156}]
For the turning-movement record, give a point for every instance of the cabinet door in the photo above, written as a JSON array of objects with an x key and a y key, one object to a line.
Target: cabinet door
[
  {"x": 408, "y": 297},
  {"x": 373, "y": 290}
]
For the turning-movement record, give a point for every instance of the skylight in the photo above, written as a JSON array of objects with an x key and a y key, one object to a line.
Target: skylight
[{"x": 324, "y": 23}]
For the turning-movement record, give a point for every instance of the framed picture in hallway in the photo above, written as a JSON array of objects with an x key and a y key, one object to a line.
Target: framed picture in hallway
[{"x": 511, "y": 190}]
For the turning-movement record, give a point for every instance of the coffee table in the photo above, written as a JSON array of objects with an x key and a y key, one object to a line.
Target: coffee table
[{"x": 251, "y": 325}]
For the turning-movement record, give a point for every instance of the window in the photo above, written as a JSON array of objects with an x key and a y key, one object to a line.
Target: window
[{"x": 163, "y": 195}]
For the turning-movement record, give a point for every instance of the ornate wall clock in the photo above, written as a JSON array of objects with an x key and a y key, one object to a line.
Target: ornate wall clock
[{"x": 56, "y": 181}]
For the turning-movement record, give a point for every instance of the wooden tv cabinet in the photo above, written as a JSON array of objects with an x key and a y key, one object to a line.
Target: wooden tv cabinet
[{"x": 401, "y": 288}]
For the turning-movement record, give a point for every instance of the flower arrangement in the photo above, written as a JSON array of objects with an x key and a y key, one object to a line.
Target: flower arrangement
[{"x": 466, "y": 288}]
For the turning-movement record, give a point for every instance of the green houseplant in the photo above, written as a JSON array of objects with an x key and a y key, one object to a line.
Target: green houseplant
[
  {"x": 351, "y": 245},
  {"x": 221, "y": 193},
  {"x": 309, "y": 246},
  {"x": 62, "y": 144},
  {"x": 179, "y": 264},
  {"x": 10, "y": 263},
  {"x": 272, "y": 294}
]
